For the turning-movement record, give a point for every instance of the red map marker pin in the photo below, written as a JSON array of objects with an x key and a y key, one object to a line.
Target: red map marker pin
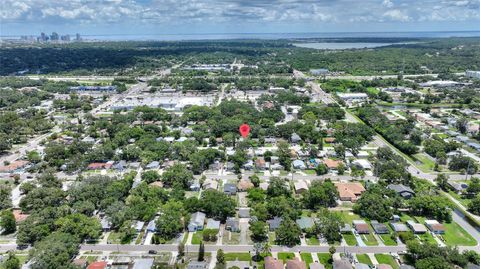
[{"x": 244, "y": 130}]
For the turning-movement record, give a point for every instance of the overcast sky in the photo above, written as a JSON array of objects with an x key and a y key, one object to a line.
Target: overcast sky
[{"x": 235, "y": 16}]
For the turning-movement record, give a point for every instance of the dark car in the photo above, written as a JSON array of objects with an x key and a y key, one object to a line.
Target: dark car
[{"x": 152, "y": 251}]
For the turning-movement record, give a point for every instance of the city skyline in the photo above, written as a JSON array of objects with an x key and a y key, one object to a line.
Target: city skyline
[{"x": 150, "y": 17}]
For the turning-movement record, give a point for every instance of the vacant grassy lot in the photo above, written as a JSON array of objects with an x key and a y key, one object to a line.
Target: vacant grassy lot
[
  {"x": 307, "y": 258},
  {"x": 387, "y": 259},
  {"x": 456, "y": 235},
  {"x": 313, "y": 241},
  {"x": 238, "y": 257},
  {"x": 369, "y": 239},
  {"x": 197, "y": 237},
  {"x": 325, "y": 259},
  {"x": 363, "y": 258},
  {"x": 350, "y": 239},
  {"x": 285, "y": 256}
]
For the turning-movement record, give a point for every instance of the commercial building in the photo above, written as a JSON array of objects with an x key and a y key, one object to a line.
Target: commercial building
[{"x": 472, "y": 74}]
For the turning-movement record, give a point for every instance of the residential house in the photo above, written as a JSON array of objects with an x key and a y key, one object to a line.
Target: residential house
[
  {"x": 138, "y": 226},
  {"x": 106, "y": 225},
  {"x": 99, "y": 166},
  {"x": 342, "y": 264},
  {"x": 232, "y": 224},
  {"x": 379, "y": 228},
  {"x": 244, "y": 212},
  {"x": 350, "y": 191},
  {"x": 248, "y": 165},
  {"x": 98, "y": 265},
  {"x": 213, "y": 224},
  {"x": 300, "y": 186},
  {"x": 299, "y": 164},
  {"x": 398, "y": 227},
  {"x": 260, "y": 164},
  {"x": 153, "y": 165},
  {"x": 295, "y": 138},
  {"x": 305, "y": 223},
  {"x": 14, "y": 166},
  {"x": 332, "y": 164},
  {"x": 272, "y": 263},
  {"x": 120, "y": 166},
  {"x": 144, "y": 263},
  {"x": 19, "y": 216},
  {"x": 151, "y": 226},
  {"x": 230, "y": 189},
  {"x": 210, "y": 184},
  {"x": 435, "y": 227},
  {"x": 458, "y": 187},
  {"x": 296, "y": 263},
  {"x": 384, "y": 266},
  {"x": 274, "y": 223},
  {"x": 361, "y": 266},
  {"x": 402, "y": 190},
  {"x": 197, "y": 265},
  {"x": 362, "y": 164},
  {"x": 417, "y": 228},
  {"x": 361, "y": 226},
  {"x": 244, "y": 185},
  {"x": 80, "y": 263},
  {"x": 197, "y": 221},
  {"x": 346, "y": 228},
  {"x": 316, "y": 265}
]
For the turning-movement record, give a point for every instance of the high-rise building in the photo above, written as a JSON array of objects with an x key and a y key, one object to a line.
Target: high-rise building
[
  {"x": 78, "y": 37},
  {"x": 65, "y": 38},
  {"x": 54, "y": 36}
]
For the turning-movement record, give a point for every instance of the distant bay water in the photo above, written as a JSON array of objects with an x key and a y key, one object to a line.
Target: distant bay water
[
  {"x": 343, "y": 45},
  {"x": 220, "y": 36},
  {"x": 179, "y": 37}
]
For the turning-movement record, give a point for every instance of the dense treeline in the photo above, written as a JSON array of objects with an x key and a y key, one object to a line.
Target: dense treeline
[
  {"x": 395, "y": 132},
  {"x": 438, "y": 55}
]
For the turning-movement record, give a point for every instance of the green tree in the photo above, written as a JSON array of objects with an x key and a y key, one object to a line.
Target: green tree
[
  {"x": 321, "y": 195},
  {"x": 7, "y": 222},
  {"x": 255, "y": 180},
  {"x": 169, "y": 224},
  {"x": 217, "y": 204},
  {"x": 442, "y": 181},
  {"x": 374, "y": 205},
  {"x": 11, "y": 262},
  {"x": 177, "y": 175},
  {"x": 328, "y": 225},
  {"x": 55, "y": 251},
  {"x": 80, "y": 226},
  {"x": 220, "y": 256},
  {"x": 321, "y": 169},
  {"x": 150, "y": 176},
  {"x": 288, "y": 233},
  {"x": 201, "y": 252},
  {"x": 259, "y": 231}
]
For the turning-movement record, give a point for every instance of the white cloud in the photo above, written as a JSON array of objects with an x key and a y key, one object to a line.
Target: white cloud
[
  {"x": 397, "y": 15},
  {"x": 185, "y": 11}
]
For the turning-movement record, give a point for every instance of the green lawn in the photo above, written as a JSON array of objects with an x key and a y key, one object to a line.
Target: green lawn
[
  {"x": 387, "y": 240},
  {"x": 387, "y": 259},
  {"x": 286, "y": 256},
  {"x": 310, "y": 172},
  {"x": 271, "y": 238},
  {"x": 348, "y": 217},
  {"x": 238, "y": 257},
  {"x": 427, "y": 238},
  {"x": 456, "y": 235},
  {"x": 363, "y": 258},
  {"x": 313, "y": 241},
  {"x": 325, "y": 259},
  {"x": 426, "y": 165},
  {"x": 350, "y": 239},
  {"x": 197, "y": 238},
  {"x": 369, "y": 239},
  {"x": 230, "y": 238},
  {"x": 307, "y": 258}
]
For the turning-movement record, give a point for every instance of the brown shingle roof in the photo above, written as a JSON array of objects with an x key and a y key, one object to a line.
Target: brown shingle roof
[{"x": 272, "y": 263}]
